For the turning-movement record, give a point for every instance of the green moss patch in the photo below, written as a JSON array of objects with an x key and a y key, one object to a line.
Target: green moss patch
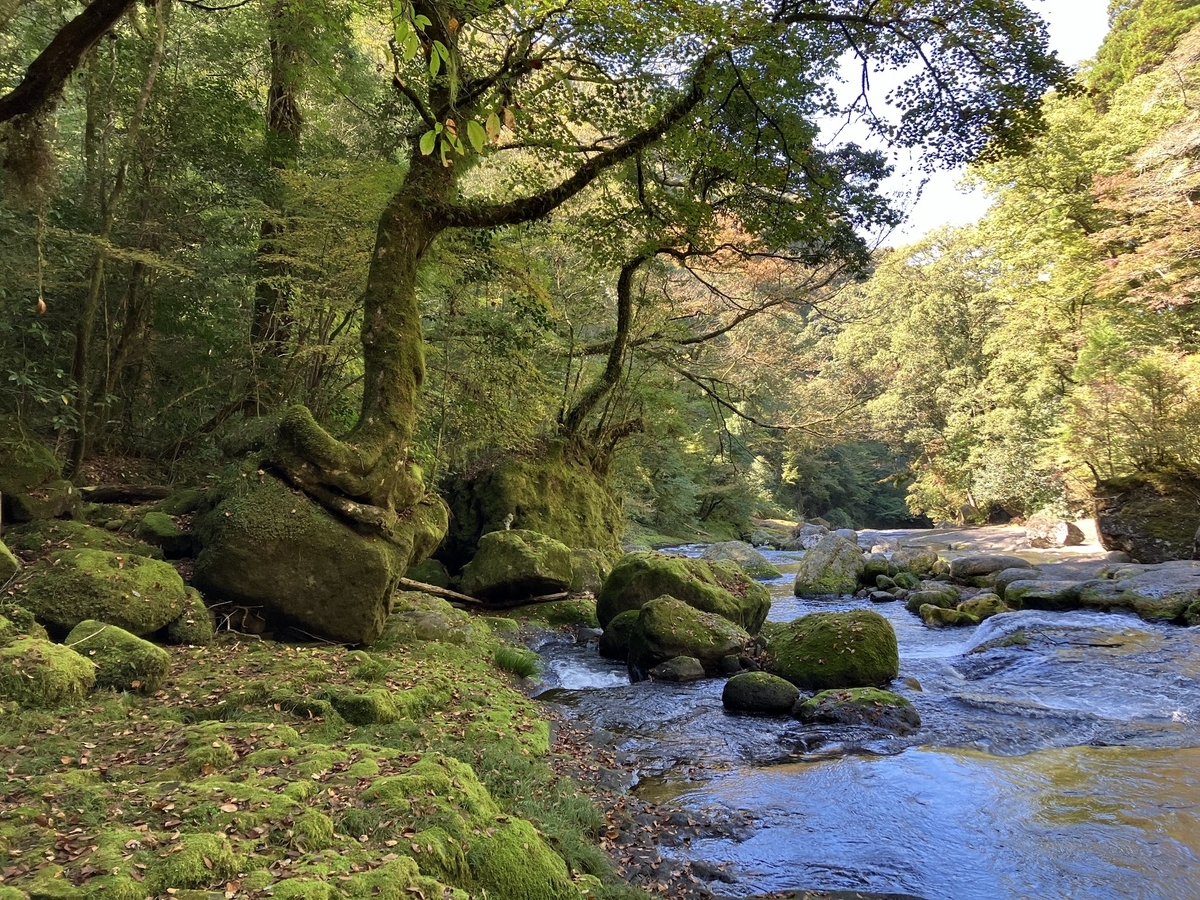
[
  {"x": 123, "y": 661},
  {"x": 37, "y": 673},
  {"x": 826, "y": 650}
]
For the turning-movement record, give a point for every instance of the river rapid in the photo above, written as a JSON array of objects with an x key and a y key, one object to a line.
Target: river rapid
[{"x": 1059, "y": 757}]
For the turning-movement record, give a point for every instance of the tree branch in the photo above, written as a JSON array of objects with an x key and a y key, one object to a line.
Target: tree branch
[{"x": 527, "y": 209}]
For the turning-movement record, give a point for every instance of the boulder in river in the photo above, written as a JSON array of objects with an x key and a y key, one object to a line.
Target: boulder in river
[
  {"x": 517, "y": 564},
  {"x": 1045, "y": 530},
  {"x": 805, "y": 536},
  {"x": 860, "y": 706},
  {"x": 835, "y": 649},
  {"x": 1042, "y": 594},
  {"x": 917, "y": 560},
  {"x": 679, "y": 669},
  {"x": 714, "y": 587},
  {"x": 971, "y": 567},
  {"x": 939, "y": 616},
  {"x": 753, "y": 562},
  {"x": 614, "y": 642},
  {"x": 984, "y": 606},
  {"x": 1152, "y": 516},
  {"x": 759, "y": 692},
  {"x": 667, "y": 628},
  {"x": 834, "y": 566}
]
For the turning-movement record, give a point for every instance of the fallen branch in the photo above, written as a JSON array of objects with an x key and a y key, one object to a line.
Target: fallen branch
[
  {"x": 442, "y": 592},
  {"x": 126, "y": 493}
]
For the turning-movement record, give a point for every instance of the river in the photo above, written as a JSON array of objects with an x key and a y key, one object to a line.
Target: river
[{"x": 1059, "y": 757}]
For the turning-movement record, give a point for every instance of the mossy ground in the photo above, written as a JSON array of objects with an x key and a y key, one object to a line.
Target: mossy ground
[{"x": 244, "y": 773}]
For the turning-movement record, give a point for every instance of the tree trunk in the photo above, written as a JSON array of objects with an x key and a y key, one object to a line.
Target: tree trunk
[{"x": 271, "y": 327}]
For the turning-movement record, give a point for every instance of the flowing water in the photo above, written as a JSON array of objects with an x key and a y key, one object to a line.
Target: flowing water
[{"x": 1058, "y": 758}]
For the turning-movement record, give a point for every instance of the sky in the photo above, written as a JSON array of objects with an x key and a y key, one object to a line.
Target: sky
[{"x": 1076, "y": 29}]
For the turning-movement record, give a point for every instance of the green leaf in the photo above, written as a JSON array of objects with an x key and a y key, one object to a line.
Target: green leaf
[
  {"x": 493, "y": 126},
  {"x": 411, "y": 46},
  {"x": 428, "y": 139},
  {"x": 422, "y": 22},
  {"x": 435, "y": 64},
  {"x": 476, "y": 134}
]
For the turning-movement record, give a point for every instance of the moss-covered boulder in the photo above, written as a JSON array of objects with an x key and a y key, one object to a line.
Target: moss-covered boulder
[
  {"x": 984, "y": 606},
  {"x": 752, "y": 562},
  {"x": 513, "y": 565},
  {"x": 1043, "y": 593},
  {"x": 945, "y": 599},
  {"x": 124, "y": 662},
  {"x": 667, "y": 628},
  {"x": 194, "y": 625},
  {"x": 137, "y": 594},
  {"x": 37, "y": 673},
  {"x": 181, "y": 503},
  {"x": 939, "y": 616},
  {"x": 16, "y": 621},
  {"x": 267, "y": 546},
  {"x": 429, "y": 571},
  {"x": 549, "y": 490},
  {"x": 835, "y": 649},
  {"x": 1153, "y": 516},
  {"x": 1161, "y": 593},
  {"x": 589, "y": 569},
  {"x": 422, "y": 618},
  {"x": 44, "y": 537},
  {"x": 860, "y": 706},
  {"x": 917, "y": 560},
  {"x": 614, "y": 643},
  {"x": 834, "y": 566},
  {"x": 678, "y": 670},
  {"x": 9, "y": 564},
  {"x": 55, "y": 500},
  {"x": 875, "y": 566},
  {"x": 759, "y": 692},
  {"x": 159, "y": 530},
  {"x": 714, "y": 587},
  {"x": 25, "y": 463},
  {"x": 577, "y": 611}
]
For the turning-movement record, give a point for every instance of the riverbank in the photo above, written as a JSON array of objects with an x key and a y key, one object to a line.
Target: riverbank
[{"x": 257, "y": 769}]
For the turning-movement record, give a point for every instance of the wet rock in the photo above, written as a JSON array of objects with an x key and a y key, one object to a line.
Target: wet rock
[
  {"x": 984, "y": 606},
  {"x": 137, "y": 594},
  {"x": 976, "y": 566},
  {"x": 614, "y": 642},
  {"x": 667, "y": 628},
  {"x": 834, "y": 566},
  {"x": 847, "y": 534},
  {"x": 1118, "y": 556},
  {"x": 679, "y": 669},
  {"x": 917, "y": 560},
  {"x": 124, "y": 662},
  {"x": 511, "y": 565},
  {"x": 835, "y": 649},
  {"x": 1045, "y": 530},
  {"x": 860, "y": 706},
  {"x": 884, "y": 582},
  {"x": 1005, "y": 577},
  {"x": 752, "y": 562},
  {"x": 759, "y": 692},
  {"x": 806, "y": 535},
  {"x": 875, "y": 566},
  {"x": 882, "y": 597},
  {"x": 907, "y": 580},
  {"x": 1042, "y": 594},
  {"x": 941, "y": 599},
  {"x": 938, "y": 616},
  {"x": 1158, "y": 593},
  {"x": 1153, "y": 516},
  {"x": 714, "y": 587}
]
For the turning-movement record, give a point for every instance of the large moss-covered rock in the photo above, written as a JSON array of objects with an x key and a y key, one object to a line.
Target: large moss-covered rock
[
  {"x": 917, "y": 560},
  {"x": 9, "y": 564},
  {"x": 548, "y": 491},
  {"x": 37, "y": 673},
  {"x": 138, "y": 594},
  {"x": 714, "y": 587},
  {"x": 860, "y": 706},
  {"x": 513, "y": 565},
  {"x": 41, "y": 538},
  {"x": 267, "y": 546},
  {"x": 984, "y": 606},
  {"x": 943, "y": 599},
  {"x": 55, "y": 500},
  {"x": 938, "y": 616},
  {"x": 835, "y": 649},
  {"x": 667, "y": 628},
  {"x": 1154, "y": 517},
  {"x": 834, "y": 566},
  {"x": 614, "y": 643},
  {"x": 589, "y": 569},
  {"x": 123, "y": 661},
  {"x": 759, "y": 692},
  {"x": 752, "y": 562}
]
